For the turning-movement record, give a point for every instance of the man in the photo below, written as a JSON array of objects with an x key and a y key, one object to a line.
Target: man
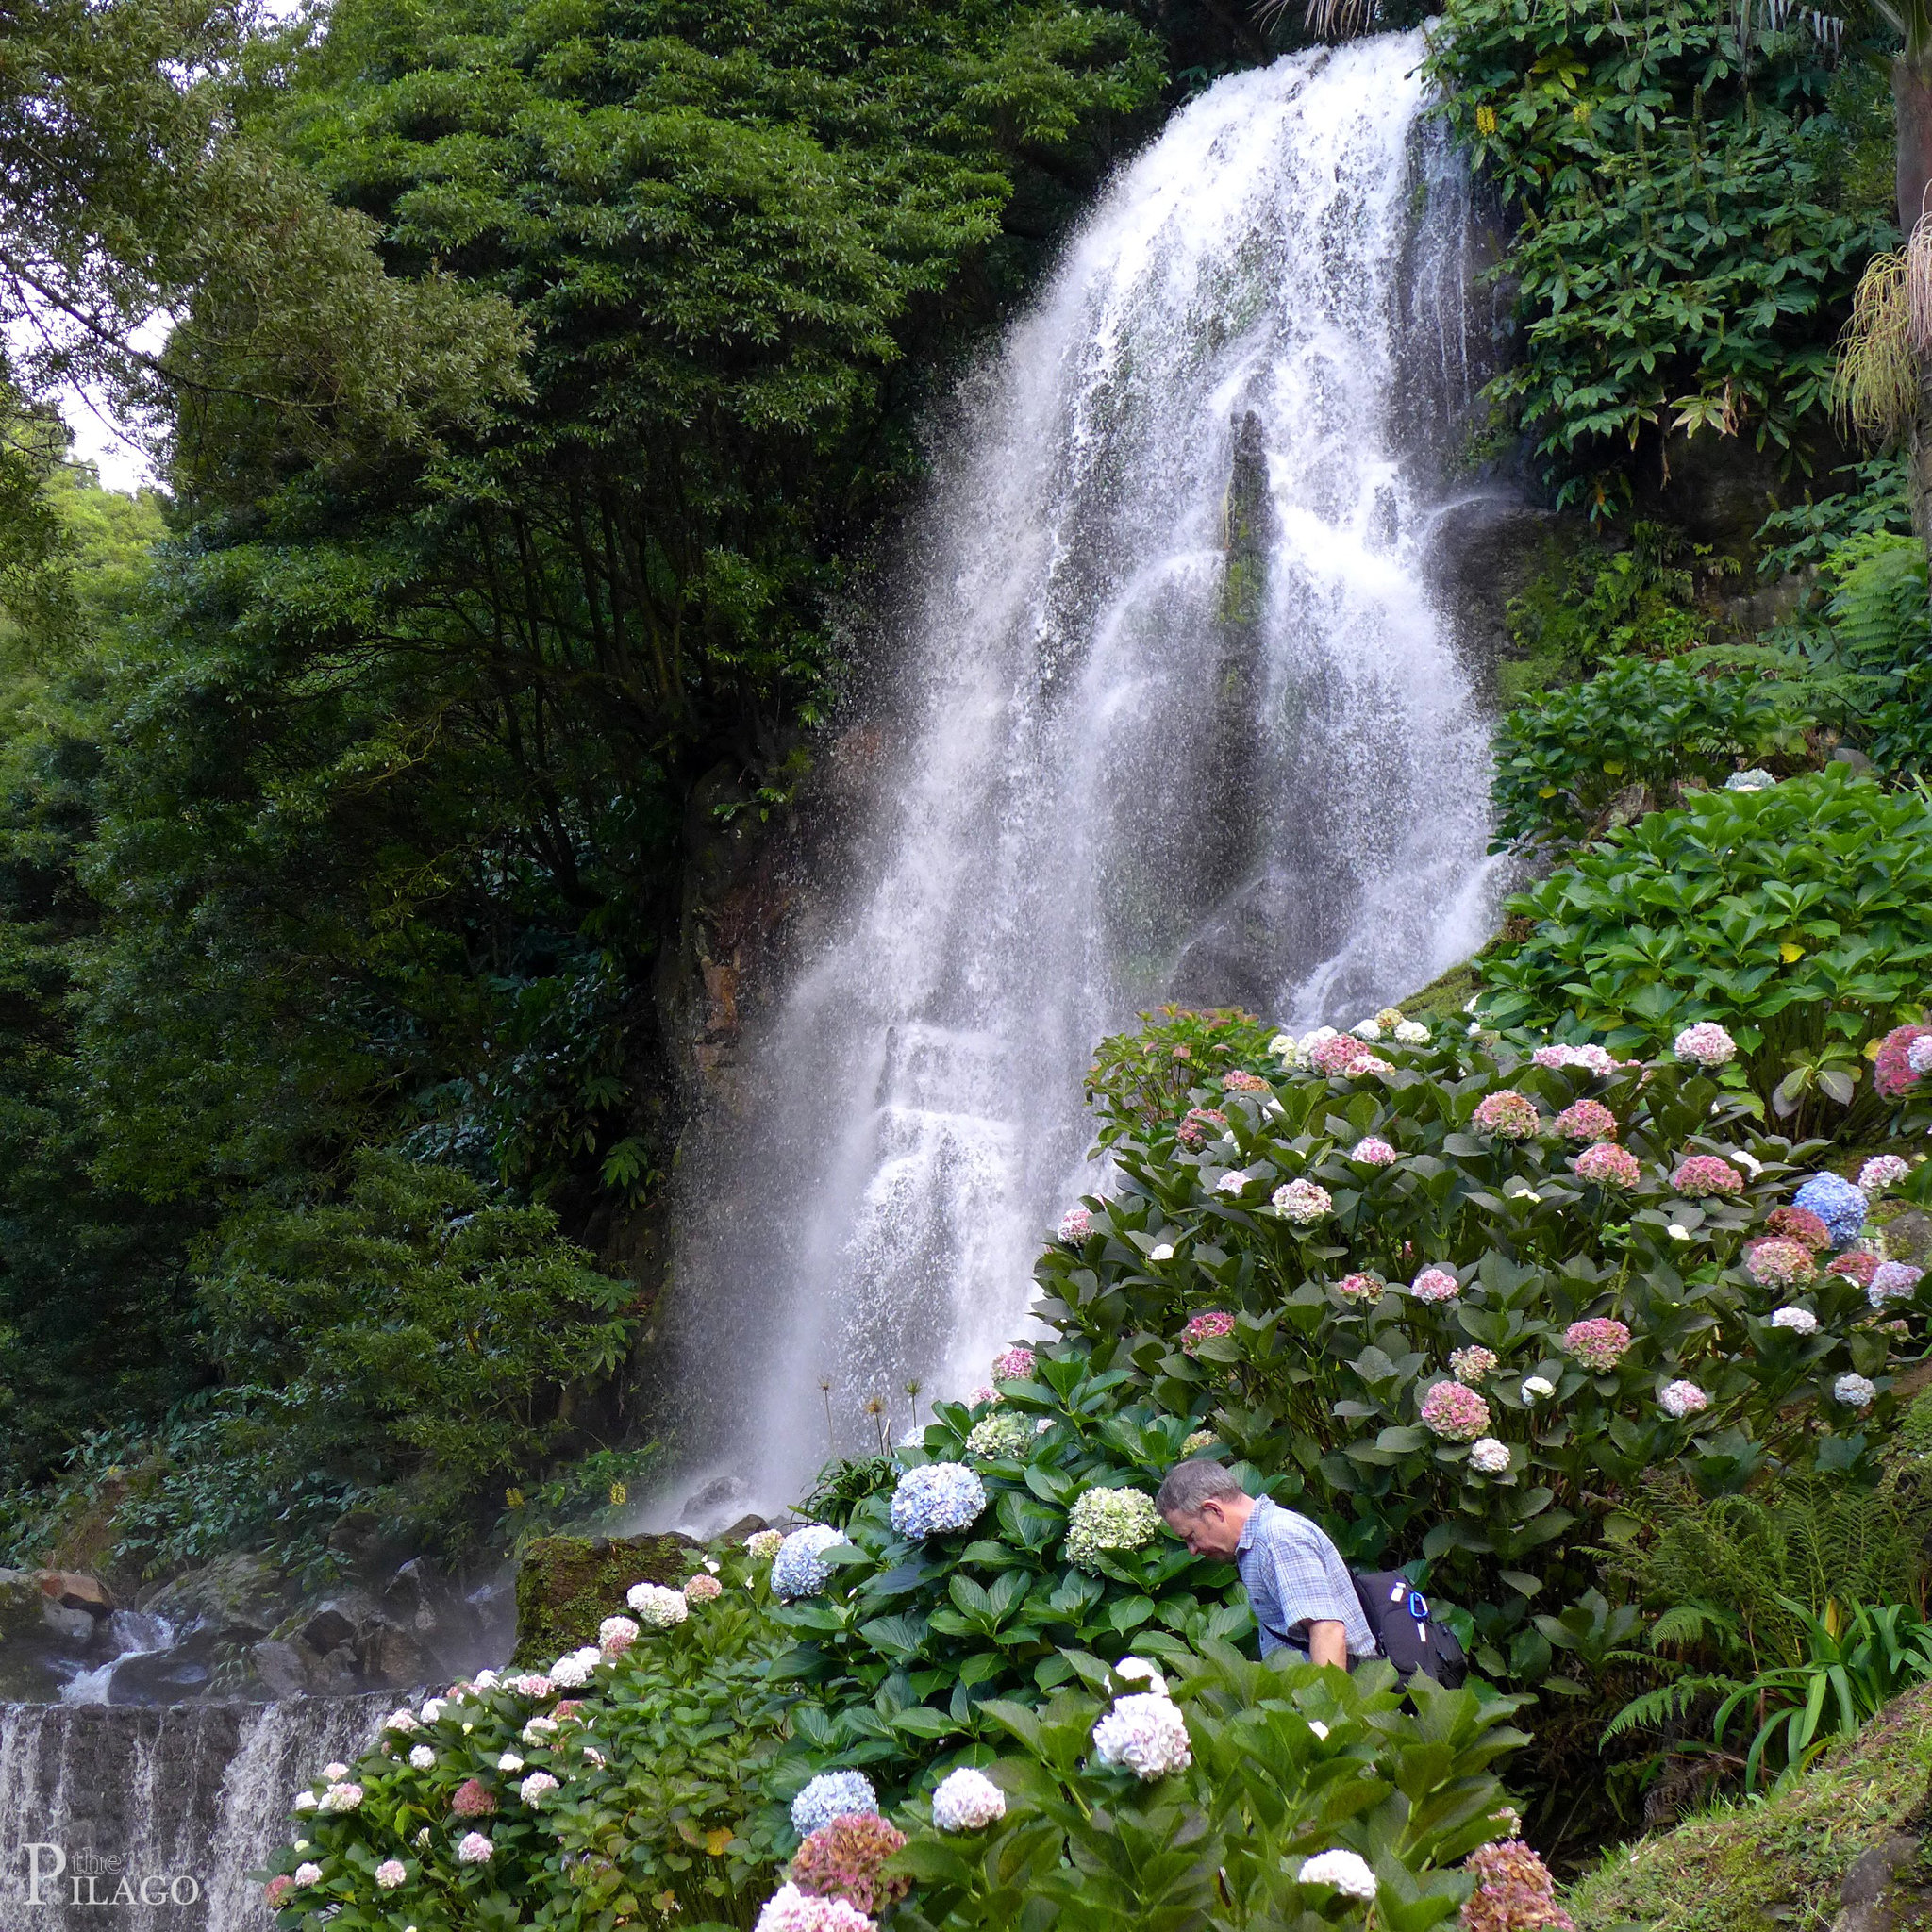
[{"x": 1298, "y": 1587}]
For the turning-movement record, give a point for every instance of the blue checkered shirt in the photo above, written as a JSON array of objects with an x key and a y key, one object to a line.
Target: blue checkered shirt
[{"x": 1294, "y": 1576}]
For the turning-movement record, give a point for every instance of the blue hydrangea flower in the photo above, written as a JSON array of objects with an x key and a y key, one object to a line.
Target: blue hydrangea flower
[
  {"x": 937, "y": 1497},
  {"x": 832, "y": 1794},
  {"x": 798, "y": 1570},
  {"x": 1837, "y": 1204}
]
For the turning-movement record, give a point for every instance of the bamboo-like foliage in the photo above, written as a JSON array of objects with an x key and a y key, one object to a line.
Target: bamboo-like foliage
[{"x": 1876, "y": 384}]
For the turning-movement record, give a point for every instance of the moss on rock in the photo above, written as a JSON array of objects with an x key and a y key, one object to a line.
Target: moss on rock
[
  {"x": 1769, "y": 1866},
  {"x": 567, "y": 1585}
]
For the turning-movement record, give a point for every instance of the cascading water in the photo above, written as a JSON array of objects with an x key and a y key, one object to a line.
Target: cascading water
[
  {"x": 181, "y": 1801},
  {"x": 1177, "y": 718}
]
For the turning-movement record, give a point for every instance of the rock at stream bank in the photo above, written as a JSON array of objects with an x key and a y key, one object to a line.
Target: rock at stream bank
[{"x": 567, "y": 1585}]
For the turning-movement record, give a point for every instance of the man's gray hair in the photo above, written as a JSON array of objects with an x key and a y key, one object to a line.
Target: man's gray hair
[{"x": 1190, "y": 1484}]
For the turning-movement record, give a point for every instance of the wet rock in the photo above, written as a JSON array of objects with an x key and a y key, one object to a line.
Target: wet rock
[
  {"x": 341, "y": 1620},
  {"x": 241, "y": 1597},
  {"x": 721, "y": 1493},
  {"x": 1850, "y": 754},
  {"x": 337, "y": 1675},
  {"x": 389, "y": 1656},
  {"x": 20, "y": 1605},
  {"x": 74, "y": 1590},
  {"x": 419, "y": 1598},
  {"x": 176, "y": 1676},
  {"x": 1908, "y": 1236},
  {"x": 744, "y": 1529},
  {"x": 282, "y": 1665},
  {"x": 567, "y": 1585},
  {"x": 73, "y": 1628}
]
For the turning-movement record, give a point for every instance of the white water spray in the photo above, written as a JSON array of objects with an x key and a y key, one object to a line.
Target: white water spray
[{"x": 1157, "y": 737}]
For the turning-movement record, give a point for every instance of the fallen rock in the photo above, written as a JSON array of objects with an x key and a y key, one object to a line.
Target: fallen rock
[
  {"x": 339, "y": 1620},
  {"x": 281, "y": 1666},
  {"x": 74, "y": 1590}
]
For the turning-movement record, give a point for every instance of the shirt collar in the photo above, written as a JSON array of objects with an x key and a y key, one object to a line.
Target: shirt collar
[{"x": 1252, "y": 1523}]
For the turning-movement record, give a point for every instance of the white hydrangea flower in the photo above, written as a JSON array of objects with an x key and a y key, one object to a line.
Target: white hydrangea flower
[
  {"x": 432, "y": 1709},
  {"x": 1301, "y": 1202},
  {"x": 1137, "y": 1670},
  {"x": 1349, "y": 1872},
  {"x": 340, "y": 1797},
  {"x": 1854, "y": 1392},
  {"x": 1919, "y": 1054},
  {"x": 391, "y": 1873},
  {"x": 1489, "y": 1455},
  {"x": 1881, "y": 1172},
  {"x": 761, "y": 1545},
  {"x": 1538, "y": 1389},
  {"x": 1320, "y": 1729},
  {"x": 475, "y": 1849},
  {"x": 535, "y": 1786},
  {"x": 537, "y": 1731},
  {"x": 656, "y": 1605},
  {"x": 335, "y": 1772},
  {"x": 593, "y": 1757},
  {"x": 967, "y": 1800},
  {"x": 1679, "y": 1232},
  {"x": 1411, "y": 1033},
  {"x": 1367, "y": 1029},
  {"x": 509, "y": 1762},
  {"x": 307, "y": 1873},
  {"x": 423, "y": 1758},
  {"x": 487, "y": 1680},
  {"x": 1309, "y": 1041},
  {"x": 304, "y": 1801},
  {"x": 1233, "y": 1181},
  {"x": 571, "y": 1671},
  {"x": 1144, "y": 1734},
  {"x": 1798, "y": 1321},
  {"x": 1104, "y": 1519},
  {"x": 1680, "y": 1399},
  {"x": 1161, "y": 1251},
  {"x": 404, "y": 1720}
]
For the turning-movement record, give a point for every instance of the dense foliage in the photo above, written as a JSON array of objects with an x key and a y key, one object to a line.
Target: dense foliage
[
  {"x": 1795, "y": 914},
  {"x": 1692, "y": 219}
]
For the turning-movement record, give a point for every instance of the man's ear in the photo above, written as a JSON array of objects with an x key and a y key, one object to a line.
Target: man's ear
[{"x": 1214, "y": 1506}]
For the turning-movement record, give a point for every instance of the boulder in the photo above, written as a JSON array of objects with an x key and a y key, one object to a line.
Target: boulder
[
  {"x": 744, "y": 1529},
  {"x": 72, "y": 1629},
  {"x": 567, "y": 1585},
  {"x": 241, "y": 1597},
  {"x": 341, "y": 1620},
  {"x": 76, "y": 1589},
  {"x": 1877, "y": 1896},
  {"x": 282, "y": 1665},
  {"x": 20, "y": 1605},
  {"x": 390, "y": 1657}
]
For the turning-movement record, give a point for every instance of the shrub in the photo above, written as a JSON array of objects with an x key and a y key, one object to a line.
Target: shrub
[{"x": 1800, "y": 916}]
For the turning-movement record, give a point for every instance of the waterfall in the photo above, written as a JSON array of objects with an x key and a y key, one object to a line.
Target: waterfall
[
  {"x": 1174, "y": 716},
  {"x": 187, "y": 1798}
]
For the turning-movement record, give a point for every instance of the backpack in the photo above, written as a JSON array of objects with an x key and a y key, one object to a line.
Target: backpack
[{"x": 1408, "y": 1637}]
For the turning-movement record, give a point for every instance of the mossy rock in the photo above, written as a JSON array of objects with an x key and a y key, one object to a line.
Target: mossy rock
[
  {"x": 567, "y": 1585},
  {"x": 1782, "y": 1862}
]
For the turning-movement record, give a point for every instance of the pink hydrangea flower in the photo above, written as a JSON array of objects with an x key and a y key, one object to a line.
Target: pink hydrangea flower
[
  {"x": 1881, "y": 1172},
  {"x": 1303, "y": 1201},
  {"x": 1373, "y": 1151},
  {"x": 1892, "y": 1072},
  {"x": 1514, "y": 1891},
  {"x": 473, "y": 1798},
  {"x": 1075, "y": 1225},
  {"x": 1239, "y": 1082},
  {"x": 1200, "y": 1125},
  {"x": 1597, "y": 1343},
  {"x": 1507, "y": 1115},
  {"x": 702, "y": 1588},
  {"x": 277, "y": 1890},
  {"x": 1455, "y": 1412},
  {"x": 1893, "y": 1281},
  {"x": 1359, "y": 1288},
  {"x": 1586, "y": 1120},
  {"x": 1680, "y": 1399},
  {"x": 1701, "y": 1176},
  {"x": 1205, "y": 1327},
  {"x": 1592, "y": 1056},
  {"x": 1707, "y": 1044},
  {"x": 1801, "y": 1225},
  {"x": 1779, "y": 1263},
  {"x": 976, "y": 1397},
  {"x": 1608, "y": 1165},
  {"x": 1435, "y": 1285},
  {"x": 1013, "y": 1365},
  {"x": 1342, "y": 1056},
  {"x": 1860, "y": 1265},
  {"x": 1470, "y": 1365}
]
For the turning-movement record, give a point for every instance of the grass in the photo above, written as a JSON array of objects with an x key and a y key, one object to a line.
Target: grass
[{"x": 1775, "y": 1864}]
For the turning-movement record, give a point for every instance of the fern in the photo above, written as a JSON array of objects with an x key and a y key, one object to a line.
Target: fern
[
  {"x": 1668, "y": 1704},
  {"x": 1689, "y": 1623}
]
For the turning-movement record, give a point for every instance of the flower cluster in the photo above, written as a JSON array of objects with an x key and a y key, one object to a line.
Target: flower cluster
[
  {"x": 1075, "y": 1225},
  {"x": 1205, "y": 1327},
  {"x": 1470, "y": 1365},
  {"x": 1799, "y": 1224},
  {"x": 1753, "y": 779},
  {"x": 1435, "y": 1285},
  {"x": 1489, "y": 1457},
  {"x": 1372, "y": 1151},
  {"x": 1881, "y": 1172},
  {"x": 1000, "y": 1436},
  {"x": 1798, "y": 1321},
  {"x": 1837, "y": 1204},
  {"x": 799, "y": 1569},
  {"x": 1598, "y": 1344},
  {"x": 1103, "y": 1519},
  {"x": 1200, "y": 1443},
  {"x": 842, "y": 1859},
  {"x": 1701, "y": 1176},
  {"x": 1453, "y": 1411},
  {"x": 1594, "y": 1058},
  {"x": 1303, "y": 1203},
  {"x": 788, "y": 1909},
  {"x": 1608, "y": 1165},
  {"x": 937, "y": 1498},
  {"x": 1707, "y": 1044},
  {"x": 702, "y": 1588},
  {"x": 1360, "y": 1288},
  {"x": 473, "y": 1798},
  {"x": 967, "y": 1800},
  {"x": 761, "y": 1545},
  {"x": 661, "y": 1608},
  {"x": 1411, "y": 1033},
  {"x": 340, "y": 1797},
  {"x": 1919, "y": 1054},
  {"x": 1854, "y": 1392},
  {"x": 576, "y": 1668},
  {"x": 1514, "y": 1891},
  {"x": 1507, "y": 1115},
  {"x": 615, "y": 1635},
  {"x": 1893, "y": 1070},
  {"x": 1779, "y": 1263},
  {"x": 1861, "y": 1265},
  {"x": 538, "y": 1785},
  {"x": 1347, "y": 1872},
  {"x": 1233, "y": 1181},
  {"x": 1014, "y": 1364},
  {"x": 1340, "y": 1056},
  {"x": 1680, "y": 1399},
  {"x": 1892, "y": 1281},
  {"x": 1586, "y": 1120},
  {"x": 1200, "y": 1125},
  {"x": 1143, "y": 1732},
  {"x": 475, "y": 1849},
  {"x": 829, "y": 1795},
  {"x": 391, "y": 1873}
]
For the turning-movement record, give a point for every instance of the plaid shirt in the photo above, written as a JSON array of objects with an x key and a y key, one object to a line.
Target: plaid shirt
[{"x": 1294, "y": 1576}]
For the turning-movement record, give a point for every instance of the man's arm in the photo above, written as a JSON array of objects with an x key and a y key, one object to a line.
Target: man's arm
[{"x": 1329, "y": 1643}]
